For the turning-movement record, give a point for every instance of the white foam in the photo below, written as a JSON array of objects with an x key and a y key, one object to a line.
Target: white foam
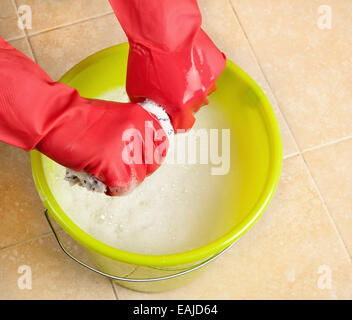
[{"x": 174, "y": 210}]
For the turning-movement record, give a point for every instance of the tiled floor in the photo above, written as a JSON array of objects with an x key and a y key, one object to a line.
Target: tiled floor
[{"x": 306, "y": 233}]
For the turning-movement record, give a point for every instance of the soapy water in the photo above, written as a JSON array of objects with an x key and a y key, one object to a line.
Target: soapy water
[{"x": 174, "y": 210}]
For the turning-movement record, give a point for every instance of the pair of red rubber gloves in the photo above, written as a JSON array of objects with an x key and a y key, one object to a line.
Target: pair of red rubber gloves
[{"x": 171, "y": 61}]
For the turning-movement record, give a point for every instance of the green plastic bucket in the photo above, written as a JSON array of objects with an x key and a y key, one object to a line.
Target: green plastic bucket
[{"x": 257, "y": 157}]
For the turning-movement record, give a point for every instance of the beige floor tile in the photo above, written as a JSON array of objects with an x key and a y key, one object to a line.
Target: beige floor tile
[
  {"x": 59, "y": 50},
  {"x": 286, "y": 255},
  {"x": 332, "y": 171},
  {"x": 21, "y": 210},
  {"x": 22, "y": 45},
  {"x": 308, "y": 68},
  {"x": 222, "y": 26},
  {"x": 49, "y": 14},
  {"x": 8, "y": 21},
  {"x": 54, "y": 275}
]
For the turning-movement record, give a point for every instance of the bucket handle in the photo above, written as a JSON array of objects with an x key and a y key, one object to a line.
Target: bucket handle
[{"x": 204, "y": 263}]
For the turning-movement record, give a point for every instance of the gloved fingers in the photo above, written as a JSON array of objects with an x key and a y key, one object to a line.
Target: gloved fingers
[
  {"x": 184, "y": 119},
  {"x": 120, "y": 191},
  {"x": 141, "y": 151},
  {"x": 140, "y": 171},
  {"x": 205, "y": 100}
]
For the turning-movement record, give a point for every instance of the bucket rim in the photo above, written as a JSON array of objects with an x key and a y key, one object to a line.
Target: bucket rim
[{"x": 183, "y": 258}]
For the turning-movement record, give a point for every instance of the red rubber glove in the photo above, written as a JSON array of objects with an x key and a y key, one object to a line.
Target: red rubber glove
[
  {"x": 78, "y": 133},
  {"x": 171, "y": 61}
]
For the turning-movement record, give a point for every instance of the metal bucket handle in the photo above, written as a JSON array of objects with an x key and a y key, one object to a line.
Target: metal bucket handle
[{"x": 204, "y": 263}]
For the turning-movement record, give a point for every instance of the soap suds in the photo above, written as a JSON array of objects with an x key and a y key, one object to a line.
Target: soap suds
[{"x": 174, "y": 210}]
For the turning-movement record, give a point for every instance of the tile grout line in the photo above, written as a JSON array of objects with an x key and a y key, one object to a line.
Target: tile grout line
[
  {"x": 31, "y": 49},
  {"x": 14, "y": 38},
  {"x": 291, "y": 155},
  {"x": 61, "y": 231},
  {"x": 14, "y": 245},
  {"x": 68, "y": 24},
  {"x": 328, "y": 144},
  {"x": 263, "y": 73},
  {"x": 27, "y": 35},
  {"x": 114, "y": 289},
  {"x": 295, "y": 142},
  {"x": 325, "y": 206}
]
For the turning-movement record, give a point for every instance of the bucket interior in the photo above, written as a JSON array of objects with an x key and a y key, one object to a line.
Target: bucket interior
[{"x": 240, "y": 197}]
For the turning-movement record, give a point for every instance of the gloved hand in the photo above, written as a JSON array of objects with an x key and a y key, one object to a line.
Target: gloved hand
[
  {"x": 171, "y": 60},
  {"x": 81, "y": 134}
]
